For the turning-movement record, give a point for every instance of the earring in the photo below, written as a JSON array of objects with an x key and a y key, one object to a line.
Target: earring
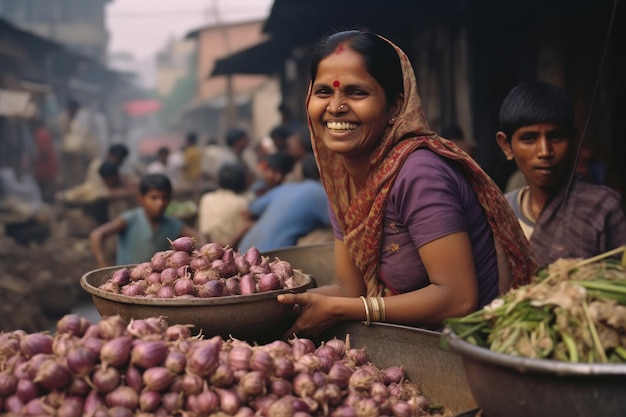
[
  {"x": 392, "y": 120},
  {"x": 328, "y": 108},
  {"x": 509, "y": 158}
]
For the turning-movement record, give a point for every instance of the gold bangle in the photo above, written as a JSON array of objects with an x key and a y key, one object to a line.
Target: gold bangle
[
  {"x": 367, "y": 312},
  {"x": 375, "y": 308},
  {"x": 382, "y": 308}
]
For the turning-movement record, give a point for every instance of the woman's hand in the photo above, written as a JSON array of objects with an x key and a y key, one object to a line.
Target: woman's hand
[{"x": 317, "y": 313}]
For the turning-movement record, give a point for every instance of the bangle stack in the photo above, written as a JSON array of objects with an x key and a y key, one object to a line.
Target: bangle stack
[{"x": 374, "y": 309}]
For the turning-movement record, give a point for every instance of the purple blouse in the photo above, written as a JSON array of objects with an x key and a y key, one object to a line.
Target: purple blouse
[{"x": 431, "y": 198}]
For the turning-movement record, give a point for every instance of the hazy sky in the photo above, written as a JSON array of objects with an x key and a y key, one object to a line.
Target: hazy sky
[{"x": 142, "y": 27}]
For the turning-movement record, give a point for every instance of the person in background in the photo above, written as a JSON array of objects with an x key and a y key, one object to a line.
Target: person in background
[
  {"x": 214, "y": 156},
  {"x": 287, "y": 212},
  {"x": 298, "y": 146},
  {"x": 237, "y": 141},
  {"x": 75, "y": 160},
  {"x": 192, "y": 169},
  {"x": 144, "y": 230},
  {"x": 159, "y": 165},
  {"x": 422, "y": 233},
  {"x": 94, "y": 187},
  {"x": 47, "y": 160},
  {"x": 562, "y": 215},
  {"x": 274, "y": 169},
  {"x": 279, "y": 135},
  {"x": 192, "y": 172},
  {"x": 221, "y": 212}
]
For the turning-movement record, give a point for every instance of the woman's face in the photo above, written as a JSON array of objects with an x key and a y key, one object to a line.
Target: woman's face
[{"x": 347, "y": 107}]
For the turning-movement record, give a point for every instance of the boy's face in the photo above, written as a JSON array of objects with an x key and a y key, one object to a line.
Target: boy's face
[
  {"x": 541, "y": 152},
  {"x": 154, "y": 203}
]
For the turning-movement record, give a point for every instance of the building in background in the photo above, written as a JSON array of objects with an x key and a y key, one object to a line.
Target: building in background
[
  {"x": 78, "y": 24},
  {"x": 242, "y": 100},
  {"x": 173, "y": 63}
]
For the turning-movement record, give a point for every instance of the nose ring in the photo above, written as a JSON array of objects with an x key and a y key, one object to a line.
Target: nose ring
[{"x": 340, "y": 108}]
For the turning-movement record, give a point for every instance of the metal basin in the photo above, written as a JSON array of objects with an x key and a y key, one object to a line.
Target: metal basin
[
  {"x": 254, "y": 318},
  {"x": 438, "y": 372},
  {"x": 510, "y": 386},
  {"x": 316, "y": 260}
]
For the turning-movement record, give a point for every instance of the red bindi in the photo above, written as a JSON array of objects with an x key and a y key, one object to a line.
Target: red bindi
[
  {"x": 336, "y": 83},
  {"x": 339, "y": 48}
]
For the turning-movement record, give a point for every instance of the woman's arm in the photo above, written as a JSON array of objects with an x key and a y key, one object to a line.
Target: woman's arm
[
  {"x": 453, "y": 289},
  {"x": 98, "y": 236},
  {"x": 349, "y": 280},
  {"x": 452, "y": 292}
]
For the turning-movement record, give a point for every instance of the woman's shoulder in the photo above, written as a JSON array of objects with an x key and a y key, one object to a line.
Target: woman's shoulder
[{"x": 424, "y": 163}]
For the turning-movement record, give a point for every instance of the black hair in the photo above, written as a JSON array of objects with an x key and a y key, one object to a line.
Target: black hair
[
  {"x": 232, "y": 176},
  {"x": 280, "y": 161},
  {"x": 118, "y": 149},
  {"x": 233, "y": 135},
  {"x": 280, "y": 131},
  {"x": 536, "y": 102},
  {"x": 191, "y": 138},
  {"x": 158, "y": 182},
  {"x": 381, "y": 59},
  {"x": 309, "y": 167},
  {"x": 108, "y": 169},
  {"x": 304, "y": 136},
  {"x": 163, "y": 150}
]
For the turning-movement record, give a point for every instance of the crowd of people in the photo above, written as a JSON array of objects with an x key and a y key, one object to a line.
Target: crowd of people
[{"x": 365, "y": 171}]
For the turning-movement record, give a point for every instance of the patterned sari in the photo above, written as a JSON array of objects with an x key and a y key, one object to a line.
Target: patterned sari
[{"x": 361, "y": 217}]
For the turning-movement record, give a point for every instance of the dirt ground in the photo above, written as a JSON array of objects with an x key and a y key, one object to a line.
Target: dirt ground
[{"x": 42, "y": 261}]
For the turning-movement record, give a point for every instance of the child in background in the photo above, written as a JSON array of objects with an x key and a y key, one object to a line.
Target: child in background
[
  {"x": 562, "y": 216},
  {"x": 144, "y": 230},
  {"x": 221, "y": 212}
]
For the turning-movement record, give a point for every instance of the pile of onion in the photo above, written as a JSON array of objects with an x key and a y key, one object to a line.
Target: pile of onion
[
  {"x": 211, "y": 271},
  {"x": 148, "y": 368}
]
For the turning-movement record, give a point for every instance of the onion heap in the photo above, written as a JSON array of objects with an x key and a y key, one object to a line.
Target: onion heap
[
  {"x": 148, "y": 368},
  {"x": 211, "y": 271}
]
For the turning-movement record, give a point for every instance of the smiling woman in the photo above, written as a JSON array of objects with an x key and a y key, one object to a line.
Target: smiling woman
[{"x": 416, "y": 220}]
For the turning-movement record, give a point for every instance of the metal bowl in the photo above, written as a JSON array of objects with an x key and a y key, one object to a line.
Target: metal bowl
[
  {"x": 253, "y": 318},
  {"x": 438, "y": 372},
  {"x": 317, "y": 260},
  {"x": 511, "y": 386}
]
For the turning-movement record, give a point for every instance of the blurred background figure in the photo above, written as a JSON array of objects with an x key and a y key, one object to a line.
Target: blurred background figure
[
  {"x": 85, "y": 137},
  {"x": 237, "y": 141},
  {"x": 159, "y": 165},
  {"x": 221, "y": 212},
  {"x": 274, "y": 169},
  {"x": 192, "y": 167},
  {"x": 279, "y": 136},
  {"x": 288, "y": 212},
  {"x": 47, "y": 160},
  {"x": 298, "y": 146}
]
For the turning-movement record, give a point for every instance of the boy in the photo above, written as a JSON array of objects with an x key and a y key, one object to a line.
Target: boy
[
  {"x": 562, "y": 216},
  {"x": 144, "y": 230}
]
